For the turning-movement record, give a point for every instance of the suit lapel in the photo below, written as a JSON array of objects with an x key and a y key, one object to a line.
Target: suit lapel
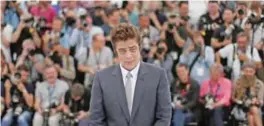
[
  {"x": 120, "y": 90},
  {"x": 139, "y": 89}
]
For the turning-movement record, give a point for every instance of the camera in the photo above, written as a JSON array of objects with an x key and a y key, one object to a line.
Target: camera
[
  {"x": 241, "y": 12},
  {"x": 228, "y": 32},
  {"x": 179, "y": 99},
  {"x": 252, "y": 19},
  {"x": 56, "y": 58},
  {"x": 160, "y": 50},
  {"x": 69, "y": 119},
  {"x": 31, "y": 52},
  {"x": 70, "y": 21},
  {"x": 171, "y": 26},
  {"x": 83, "y": 20},
  {"x": 209, "y": 101},
  {"x": 16, "y": 106}
]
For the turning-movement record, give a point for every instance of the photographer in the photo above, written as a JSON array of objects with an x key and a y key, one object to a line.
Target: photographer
[
  {"x": 159, "y": 56},
  {"x": 18, "y": 94},
  {"x": 33, "y": 60},
  {"x": 242, "y": 13},
  {"x": 255, "y": 24},
  {"x": 215, "y": 95},
  {"x": 248, "y": 93},
  {"x": 185, "y": 95},
  {"x": 25, "y": 30},
  {"x": 98, "y": 58},
  {"x": 77, "y": 102},
  {"x": 64, "y": 64},
  {"x": 54, "y": 36},
  {"x": 199, "y": 58},
  {"x": 11, "y": 12},
  {"x": 227, "y": 32},
  {"x": 81, "y": 37},
  {"x": 149, "y": 35},
  {"x": 210, "y": 21},
  {"x": 49, "y": 98},
  {"x": 237, "y": 54}
]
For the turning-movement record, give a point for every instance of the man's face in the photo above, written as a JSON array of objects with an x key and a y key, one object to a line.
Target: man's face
[
  {"x": 184, "y": 10},
  {"x": 249, "y": 72},
  {"x": 128, "y": 53},
  {"x": 215, "y": 74},
  {"x": 57, "y": 25},
  {"x": 24, "y": 75},
  {"x": 228, "y": 16},
  {"x": 198, "y": 40},
  {"x": 144, "y": 21},
  {"x": 242, "y": 43},
  {"x": 99, "y": 41},
  {"x": 130, "y": 6},
  {"x": 182, "y": 73},
  {"x": 213, "y": 7},
  {"x": 115, "y": 17},
  {"x": 51, "y": 74}
]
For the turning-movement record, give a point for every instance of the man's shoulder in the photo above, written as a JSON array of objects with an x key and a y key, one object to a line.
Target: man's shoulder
[{"x": 151, "y": 67}]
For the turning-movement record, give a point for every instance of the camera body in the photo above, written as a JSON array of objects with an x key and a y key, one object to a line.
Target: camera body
[
  {"x": 46, "y": 113},
  {"x": 228, "y": 32},
  {"x": 209, "y": 101},
  {"x": 179, "y": 99},
  {"x": 56, "y": 58},
  {"x": 69, "y": 119},
  {"x": 252, "y": 19}
]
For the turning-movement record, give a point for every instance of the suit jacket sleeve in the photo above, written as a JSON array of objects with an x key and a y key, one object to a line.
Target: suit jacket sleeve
[
  {"x": 163, "y": 110},
  {"x": 97, "y": 113}
]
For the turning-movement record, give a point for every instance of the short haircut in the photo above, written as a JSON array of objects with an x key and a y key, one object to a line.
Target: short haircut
[
  {"x": 182, "y": 65},
  {"x": 77, "y": 90},
  {"x": 182, "y": 2},
  {"x": 217, "y": 67},
  {"x": 60, "y": 19},
  {"x": 23, "y": 67},
  {"x": 230, "y": 9},
  {"x": 123, "y": 32},
  {"x": 213, "y": 1},
  {"x": 242, "y": 3},
  {"x": 242, "y": 34},
  {"x": 112, "y": 11},
  {"x": 49, "y": 65},
  {"x": 255, "y": 5},
  {"x": 249, "y": 64}
]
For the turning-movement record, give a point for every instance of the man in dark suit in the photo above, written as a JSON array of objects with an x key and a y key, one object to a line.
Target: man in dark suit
[{"x": 131, "y": 93}]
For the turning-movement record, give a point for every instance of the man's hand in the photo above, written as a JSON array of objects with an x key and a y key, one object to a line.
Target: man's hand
[
  {"x": 21, "y": 25},
  {"x": 21, "y": 87},
  {"x": 46, "y": 37},
  {"x": 190, "y": 48},
  {"x": 82, "y": 114},
  {"x": 91, "y": 71},
  {"x": 53, "y": 111},
  {"x": 8, "y": 85},
  {"x": 178, "y": 106},
  {"x": 243, "y": 57},
  {"x": 248, "y": 27},
  {"x": 58, "y": 68},
  {"x": 226, "y": 42},
  {"x": 255, "y": 101}
]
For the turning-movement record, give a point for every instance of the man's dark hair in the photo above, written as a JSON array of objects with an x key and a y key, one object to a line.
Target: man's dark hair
[
  {"x": 182, "y": 65},
  {"x": 112, "y": 11},
  {"x": 183, "y": 2},
  {"x": 124, "y": 4},
  {"x": 23, "y": 67},
  {"x": 230, "y": 9},
  {"x": 77, "y": 90}
]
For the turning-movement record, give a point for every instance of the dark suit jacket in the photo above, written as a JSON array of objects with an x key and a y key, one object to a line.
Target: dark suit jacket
[{"x": 151, "y": 104}]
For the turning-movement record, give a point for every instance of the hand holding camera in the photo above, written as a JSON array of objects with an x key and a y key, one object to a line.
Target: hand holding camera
[
  {"x": 242, "y": 57},
  {"x": 81, "y": 115}
]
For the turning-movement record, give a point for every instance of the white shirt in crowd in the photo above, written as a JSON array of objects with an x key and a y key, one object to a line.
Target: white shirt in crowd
[
  {"x": 7, "y": 33},
  {"x": 134, "y": 73},
  {"x": 227, "y": 52}
]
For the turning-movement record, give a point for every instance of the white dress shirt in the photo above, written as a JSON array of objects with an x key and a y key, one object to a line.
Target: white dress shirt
[{"x": 134, "y": 73}]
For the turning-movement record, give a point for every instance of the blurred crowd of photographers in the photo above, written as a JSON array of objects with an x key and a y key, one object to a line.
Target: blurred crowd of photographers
[{"x": 212, "y": 51}]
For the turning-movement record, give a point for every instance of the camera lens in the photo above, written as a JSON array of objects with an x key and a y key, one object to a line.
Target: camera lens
[
  {"x": 17, "y": 75},
  {"x": 241, "y": 12}
]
